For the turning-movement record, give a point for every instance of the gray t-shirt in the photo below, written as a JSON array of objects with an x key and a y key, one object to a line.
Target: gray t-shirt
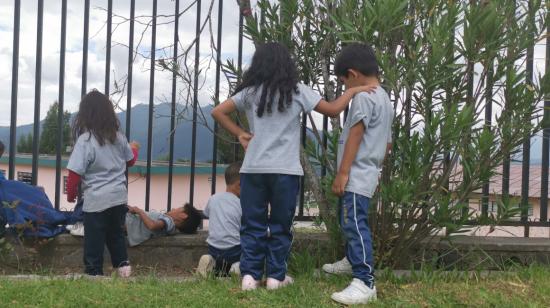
[
  {"x": 138, "y": 232},
  {"x": 102, "y": 171},
  {"x": 376, "y": 112},
  {"x": 275, "y": 147},
  {"x": 224, "y": 225}
]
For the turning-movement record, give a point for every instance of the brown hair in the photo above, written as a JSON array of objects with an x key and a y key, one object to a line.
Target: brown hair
[{"x": 96, "y": 115}]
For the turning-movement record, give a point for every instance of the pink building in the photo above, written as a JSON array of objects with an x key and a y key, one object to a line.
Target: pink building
[{"x": 136, "y": 179}]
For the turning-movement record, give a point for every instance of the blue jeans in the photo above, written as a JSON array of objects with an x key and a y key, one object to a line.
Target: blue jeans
[
  {"x": 354, "y": 222},
  {"x": 280, "y": 192},
  {"x": 100, "y": 229},
  {"x": 224, "y": 258}
]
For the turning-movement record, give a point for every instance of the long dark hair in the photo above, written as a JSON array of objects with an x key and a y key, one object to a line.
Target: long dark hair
[
  {"x": 273, "y": 68},
  {"x": 96, "y": 115}
]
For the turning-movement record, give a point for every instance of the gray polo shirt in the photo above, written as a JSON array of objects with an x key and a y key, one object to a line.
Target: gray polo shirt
[
  {"x": 138, "y": 232},
  {"x": 275, "y": 147},
  {"x": 102, "y": 171},
  {"x": 376, "y": 112},
  {"x": 224, "y": 220}
]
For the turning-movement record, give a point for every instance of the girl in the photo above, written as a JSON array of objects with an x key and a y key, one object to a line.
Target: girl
[
  {"x": 272, "y": 99},
  {"x": 99, "y": 159}
]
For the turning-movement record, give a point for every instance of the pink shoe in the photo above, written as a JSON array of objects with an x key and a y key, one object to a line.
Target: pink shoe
[
  {"x": 124, "y": 271},
  {"x": 273, "y": 284},
  {"x": 249, "y": 283}
]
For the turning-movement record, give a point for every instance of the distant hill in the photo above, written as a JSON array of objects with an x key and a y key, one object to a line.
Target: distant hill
[
  {"x": 161, "y": 130},
  {"x": 182, "y": 144}
]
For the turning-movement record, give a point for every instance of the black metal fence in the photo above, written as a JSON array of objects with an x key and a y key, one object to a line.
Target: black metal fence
[{"x": 524, "y": 221}]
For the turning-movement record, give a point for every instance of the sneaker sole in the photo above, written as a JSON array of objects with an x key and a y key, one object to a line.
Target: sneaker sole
[
  {"x": 340, "y": 300},
  {"x": 340, "y": 272},
  {"x": 206, "y": 265}
]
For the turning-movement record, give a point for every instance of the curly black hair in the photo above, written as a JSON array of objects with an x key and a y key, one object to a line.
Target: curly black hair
[
  {"x": 274, "y": 70},
  {"x": 194, "y": 218}
]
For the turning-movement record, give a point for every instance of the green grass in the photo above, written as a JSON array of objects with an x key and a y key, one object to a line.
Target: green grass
[{"x": 524, "y": 287}]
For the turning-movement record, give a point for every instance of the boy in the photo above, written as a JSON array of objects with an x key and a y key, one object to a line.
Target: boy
[
  {"x": 141, "y": 225},
  {"x": 224, "y": 213},
  {"x": 363, "y": 145}
]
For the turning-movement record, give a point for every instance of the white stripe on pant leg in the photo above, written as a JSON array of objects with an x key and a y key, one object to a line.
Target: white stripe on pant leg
[{"x": 361, "y": 237}]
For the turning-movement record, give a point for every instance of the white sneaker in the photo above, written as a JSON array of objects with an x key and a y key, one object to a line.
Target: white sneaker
[
  {"x": 273, "y": 284},
  {"x": 356, "y": 293},
  {"x": 235, "y": 268},
  {"x": 339, "y": 267},
  {"x": 76, "y": 229},
  {"x": 249, "y": 283},
  {"x": 124, "y": 271},
  {"x": 206, "y": 265}
]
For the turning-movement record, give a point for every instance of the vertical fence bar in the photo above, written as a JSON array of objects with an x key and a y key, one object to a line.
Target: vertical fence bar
[
  {"x": 195, "y": 101},
  {"x": 217, "y": 96},
  {"x": 237, "y": 145},
  {"x": 108, "y": 46},
  {"x": 303, "y": 178},
  {"x": 545, "y": 136},
  {"x": 325, "y": 143},
  {"x": 14, "y": 83},
  {"x": 173, "y": 109},
  {"x": 37, "y": 92},
  {"x": 84, "y": 85},
  {"x": 130, "y": 69},
  {"x": 488, "y": 123},
  {"x": 60, "y": 106},
  {"x": 151, "y": 101},
  {"x": 526, "y": 153}
]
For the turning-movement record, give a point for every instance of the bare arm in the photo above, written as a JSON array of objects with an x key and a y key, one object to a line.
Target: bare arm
[
  {"x": 350, "y": 151},
  {"x": 221, "y": 114},
  {"x": 334, "y": 108},
  {"x": 151, "y": 224}
]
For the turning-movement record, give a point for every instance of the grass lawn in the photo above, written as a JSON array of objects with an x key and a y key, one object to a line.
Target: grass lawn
[{"x": 524, "y": 287}]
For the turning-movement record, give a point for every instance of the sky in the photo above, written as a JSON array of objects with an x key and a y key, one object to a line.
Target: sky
[
  {"x": 96, "y": 51},
  {"x": 49, "y": 90}
]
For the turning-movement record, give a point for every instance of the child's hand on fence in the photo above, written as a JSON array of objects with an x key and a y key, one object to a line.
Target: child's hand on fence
[
  {"x": 339, "y": 184},
  {"x": 244, "y": 139},
  {"x": 135, "y": 145}
]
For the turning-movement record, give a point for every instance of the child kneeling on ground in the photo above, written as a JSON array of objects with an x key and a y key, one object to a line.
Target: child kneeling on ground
[
  {"x": 224, "y": 213},
  {"x": 142, "y": 225}
]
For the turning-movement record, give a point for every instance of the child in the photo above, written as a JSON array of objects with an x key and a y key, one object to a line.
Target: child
[
  {"x": 273, "y": 100},
  {"x": 224, "y": 213},
  {"x": 141, "y": 225},
  {"x": 363, "y": 144},
  {"x": 99, "y": 159}
]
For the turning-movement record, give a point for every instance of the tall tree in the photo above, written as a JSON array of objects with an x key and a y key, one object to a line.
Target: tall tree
[
  {"x": 48, "y": 138},
  {"x": 24, "y": 145}
]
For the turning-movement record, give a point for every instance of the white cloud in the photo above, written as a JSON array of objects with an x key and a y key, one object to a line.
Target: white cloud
[{"x": 96, "y": 51}]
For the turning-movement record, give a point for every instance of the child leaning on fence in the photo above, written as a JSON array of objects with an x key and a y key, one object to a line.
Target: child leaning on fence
[
  {"x": 273, "y": 99},
  {"x": 98, "y": 161}
]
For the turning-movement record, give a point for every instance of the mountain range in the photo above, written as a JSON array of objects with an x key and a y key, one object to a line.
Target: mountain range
[
  {"x": 161, "y": 131},
  {"x": 183, "y": 133}
]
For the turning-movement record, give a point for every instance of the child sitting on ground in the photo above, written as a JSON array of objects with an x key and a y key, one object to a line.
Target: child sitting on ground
[
  {"x": 142, "y": 225},
  {"x": 224, "y": 213}
]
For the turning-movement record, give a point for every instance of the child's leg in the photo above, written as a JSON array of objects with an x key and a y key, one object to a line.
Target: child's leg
[
  {"x": 94, "y": 242},
  {"x": 284, "y": 193},
  {"x": 115, "y": 240},
  {"x": 254, "y": 191},
  {"x": 359, "y": 241},
  {"x": 224, "y": 258}
]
